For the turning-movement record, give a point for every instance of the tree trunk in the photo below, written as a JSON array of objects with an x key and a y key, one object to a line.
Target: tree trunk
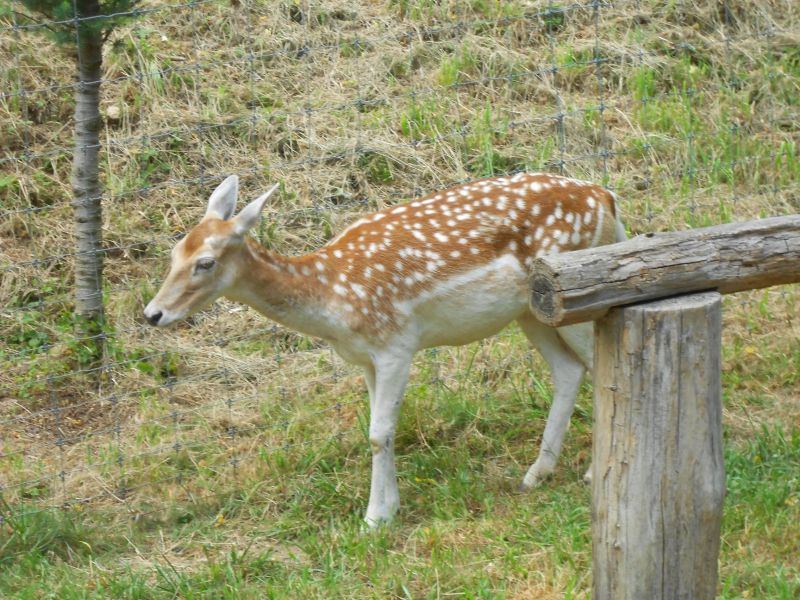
[{"x": 87, "y": 194}]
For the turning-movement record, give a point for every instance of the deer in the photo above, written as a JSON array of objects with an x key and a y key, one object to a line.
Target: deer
[{"x": 447, "y": 269}]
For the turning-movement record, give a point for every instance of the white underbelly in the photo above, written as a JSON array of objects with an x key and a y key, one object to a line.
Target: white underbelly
[{"x": 471, "y": 305}]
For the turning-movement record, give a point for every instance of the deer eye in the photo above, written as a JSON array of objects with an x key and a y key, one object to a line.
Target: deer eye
[{"x": 204, "y": 264}]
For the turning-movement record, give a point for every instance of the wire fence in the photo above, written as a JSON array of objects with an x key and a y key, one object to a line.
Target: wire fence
[{"x": 688, "y": 111}]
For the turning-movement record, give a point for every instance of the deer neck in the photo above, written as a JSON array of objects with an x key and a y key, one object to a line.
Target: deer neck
[{"x": 284, "y": 289}]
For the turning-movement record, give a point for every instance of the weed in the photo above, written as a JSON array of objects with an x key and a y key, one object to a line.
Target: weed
[{"x": 377, "y": 167}]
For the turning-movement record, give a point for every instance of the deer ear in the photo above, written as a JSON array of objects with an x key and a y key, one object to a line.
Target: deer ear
[
  {"x": 222, "y": 202},
  {"x": 250, "y": 215}
]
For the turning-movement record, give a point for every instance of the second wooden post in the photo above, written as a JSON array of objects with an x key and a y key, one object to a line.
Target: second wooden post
[{"x": 658, "y": 475}]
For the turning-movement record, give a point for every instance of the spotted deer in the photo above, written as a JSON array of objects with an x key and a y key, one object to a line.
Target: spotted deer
[{"x": 447, "y": 269}]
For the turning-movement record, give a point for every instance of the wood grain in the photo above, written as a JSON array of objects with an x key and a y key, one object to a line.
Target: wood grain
[{"x": 658, "y": 475}]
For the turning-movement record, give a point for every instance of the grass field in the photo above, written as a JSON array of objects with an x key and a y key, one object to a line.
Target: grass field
[{"x": 227, "y": 457}]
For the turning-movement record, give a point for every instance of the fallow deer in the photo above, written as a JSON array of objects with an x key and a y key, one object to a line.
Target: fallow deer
[{"x": 447, "y": 269}]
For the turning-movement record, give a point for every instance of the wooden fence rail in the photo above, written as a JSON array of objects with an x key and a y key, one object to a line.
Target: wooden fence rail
[
  {"x": 658, "y": 476},
  {"x": 584, "y": 285}
]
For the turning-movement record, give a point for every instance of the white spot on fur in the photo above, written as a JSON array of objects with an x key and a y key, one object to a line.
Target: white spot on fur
[
  {"x": 359, "y": 290},
  {"x": 599, "y": 229}
]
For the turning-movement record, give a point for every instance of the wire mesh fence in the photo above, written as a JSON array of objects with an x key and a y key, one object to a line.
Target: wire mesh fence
[{"x": 689, "y": 111}]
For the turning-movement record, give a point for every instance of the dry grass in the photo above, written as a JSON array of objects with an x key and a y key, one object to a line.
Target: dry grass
[{"x": 691, "y": 116}]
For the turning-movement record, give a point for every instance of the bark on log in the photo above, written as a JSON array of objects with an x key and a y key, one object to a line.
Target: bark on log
[
  {"x": 658, "y": 475},
  {"x": 583, "y": 285}
]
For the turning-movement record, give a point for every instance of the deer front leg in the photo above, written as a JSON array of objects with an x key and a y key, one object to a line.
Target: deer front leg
[{"x": 390, "y": 378}]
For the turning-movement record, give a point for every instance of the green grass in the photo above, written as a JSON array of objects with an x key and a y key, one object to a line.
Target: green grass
[
  {"x": 287, "y": 522},
  {"x": 292, "y": 526}
]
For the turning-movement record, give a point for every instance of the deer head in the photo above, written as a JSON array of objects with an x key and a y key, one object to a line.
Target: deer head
[{"x": 206, "y": 263}]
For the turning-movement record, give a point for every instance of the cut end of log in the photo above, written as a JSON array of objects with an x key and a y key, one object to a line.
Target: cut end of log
[{"x": 544, "y": 299}]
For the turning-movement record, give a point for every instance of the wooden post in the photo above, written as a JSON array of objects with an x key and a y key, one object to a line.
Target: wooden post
[{"x": 658, "y": 477}]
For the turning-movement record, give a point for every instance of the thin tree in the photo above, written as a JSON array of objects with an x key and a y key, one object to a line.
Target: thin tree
[{"x": 83, "y": 26}]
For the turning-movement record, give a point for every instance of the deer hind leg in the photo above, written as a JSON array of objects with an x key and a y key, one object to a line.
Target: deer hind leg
[
  {"x": 386, "y": 389},
  {"x": 580, "y": 338},
  {"x": 567, "y": 366}
]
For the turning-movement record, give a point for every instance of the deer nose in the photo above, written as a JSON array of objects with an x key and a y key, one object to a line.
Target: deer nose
[{"x": 154, "y": 318}]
